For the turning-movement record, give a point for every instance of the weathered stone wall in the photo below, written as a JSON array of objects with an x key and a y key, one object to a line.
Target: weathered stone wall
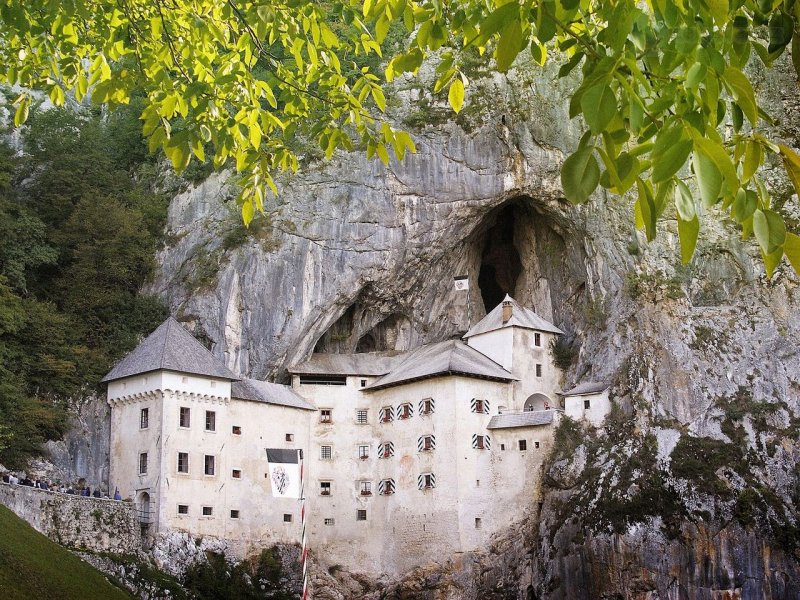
[{"x": 96, "y": 524}]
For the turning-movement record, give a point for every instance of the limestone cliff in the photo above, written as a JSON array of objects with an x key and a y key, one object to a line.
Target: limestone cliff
[{"x": 692, "y": 490}]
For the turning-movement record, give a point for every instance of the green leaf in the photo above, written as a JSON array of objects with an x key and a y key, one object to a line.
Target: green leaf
[
  {"x": 769, "y": 230},
  {"x": 719, "y": 10},
  {"x": 455, "y": 95},
  {"x": 772, "y": 260},
  {"x": 669, "y": 153},
  {"x": 538, "y": 52},
  {"x": 599, "y": 105},
  {"x": 744, "y": 205},
  {"x": 684, "y": 202},
  {"x": 781, "y": 28},
  {"x": 248, "y": 212},
  {"x": 753, "y": 154},
  {"x": 496, "y": 20},
  {"x": 720, "y": 157},
  {"x": 21, "y": 114},
  {"x": 791, "y": 248},
  {"x": 688, "y": 231},
  {"x": 791, "y": 162},
  {"x": 580, "y": 175},
  {"x": 646, "y": 210},
  {"x": 742, "y": 92},
  {"x": 709, "y": 179},
  {"x": 508, "y": 46}
]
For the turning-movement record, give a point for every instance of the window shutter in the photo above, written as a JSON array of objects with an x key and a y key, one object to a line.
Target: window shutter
[
  {"x": 421, "y": 480},
  {"x": 473, "y": 404},
  {"x": 487, "y": 442},
  {"x": 421, "y": 443}
]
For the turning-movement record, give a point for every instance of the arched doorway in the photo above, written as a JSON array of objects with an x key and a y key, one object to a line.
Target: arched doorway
[
  {"x": 538, "y": 402},
  {"x": 143, "y": 508}
]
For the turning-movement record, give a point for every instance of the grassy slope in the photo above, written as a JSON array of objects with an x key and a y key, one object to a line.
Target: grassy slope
[{"x": 31, "y": 566}]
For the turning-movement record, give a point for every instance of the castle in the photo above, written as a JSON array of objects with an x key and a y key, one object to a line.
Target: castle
[{"x": 409, "y": 457}]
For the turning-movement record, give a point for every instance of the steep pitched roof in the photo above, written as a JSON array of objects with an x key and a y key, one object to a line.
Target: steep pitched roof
[
  {"x": 444, "y": 358},
  {"x": 520, "y": 317},
  {"x": 528, "y": 418},
  {"x": 269, "y": 393},
  {"x": 362, "y": 363},
  {"x": 170, "y": 347},
  {"x": 584, "y": 389}
]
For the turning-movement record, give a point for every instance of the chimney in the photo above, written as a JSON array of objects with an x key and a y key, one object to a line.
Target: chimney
[{"x": 506, "y": 311}]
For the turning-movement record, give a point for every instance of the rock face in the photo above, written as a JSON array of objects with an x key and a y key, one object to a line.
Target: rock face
[{"x": 356, "y": 256}]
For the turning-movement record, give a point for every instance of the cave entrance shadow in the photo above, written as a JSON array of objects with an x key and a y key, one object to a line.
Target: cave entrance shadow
[{"x": 501, "y": 264}]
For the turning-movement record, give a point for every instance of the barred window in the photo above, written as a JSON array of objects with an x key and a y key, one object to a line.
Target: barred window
[
  {"x": 361, "y": 515},
  {"x": 538, "y": 370},
  {"x": 325, "y": 452},
  {"x": 361, "y": 416}
]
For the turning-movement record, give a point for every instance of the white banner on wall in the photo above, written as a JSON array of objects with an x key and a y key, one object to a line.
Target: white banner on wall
[{"x": 284, "y": 472}]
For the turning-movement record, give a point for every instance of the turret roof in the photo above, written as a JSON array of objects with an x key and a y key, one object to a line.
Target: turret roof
[
  {"x": 520, "y": 317},
  {"x": 452, "y": 357},
  {"x": 171, "y": 348}
]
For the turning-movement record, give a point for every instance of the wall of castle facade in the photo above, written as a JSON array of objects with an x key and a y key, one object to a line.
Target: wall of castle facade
[{"x": 96, "y": 524}]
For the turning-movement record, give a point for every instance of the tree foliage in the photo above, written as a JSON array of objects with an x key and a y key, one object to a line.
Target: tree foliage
[
  {"x": 662, "y": 87},
  {"x": 79, "y": 228}
]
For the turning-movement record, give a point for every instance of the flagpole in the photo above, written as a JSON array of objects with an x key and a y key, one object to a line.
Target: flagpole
[{"x": 303, "y": 542}]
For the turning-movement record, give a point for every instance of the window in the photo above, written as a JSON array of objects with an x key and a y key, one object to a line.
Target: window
[
  {"x": 478, "y": 522},
  {"x": 365, "y": 488},
  {"x": 404, "y": 411},
  {"x": 426, "y": 406},
  {"x": 361, "y": 417},
  {"x": 537, "y": 339},
  {"x": 211, "y": 420},
  {"x": 363, "y": 383},
  {"x": 208, "y": 511},
  {"x": 185, "y": 417},
  {"x": 481, "y": 442},
  {"x": 477, "y": 483},
  {"x": 234, "y": 514},
  {"x": 289, "y": 437},
  {"x": 236, "y": 430},
  {"x": 363, "y": 451},
  {"x": 325, "y": 415},
  {"x": 426, "y": 443},
  {"x": 426, "y": 481},
  {"x": 325, "y": 452},
  {"x": 144, "y": 418},
  {"x": 287, "y": 517},
  {"x": 536, "y": 445},
  {"x": 361, "y": 515},
  {"x": 523, "y": 444},
  {"x": 323, "y": 380},
  {"x": 324, "y": 488},
  {"x": 502, "y": 446},
  {"x": 213, "y": 384},
  {"x": 480, "y": 406},
  {"x": 183, "y": 462},
  {"x": 587, "y": 404},
  {"x": 538, "y": 370},
  {"x": 386, "y": 487},
  {"x": 142, "y": 463},
  {"x": 387, "y": 414},
  {"x": 184, "y": 380},
  {"x": 209, "y": 465},
  {"x": 183, "y": 509},
  {"x": 386, "y": 450},
  {"x": 236, "y": 473},
  {"x": 330, "y": 521}
]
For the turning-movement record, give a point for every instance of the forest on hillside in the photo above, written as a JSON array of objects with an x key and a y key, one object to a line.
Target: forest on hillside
[{"x": 82, "y": 212}]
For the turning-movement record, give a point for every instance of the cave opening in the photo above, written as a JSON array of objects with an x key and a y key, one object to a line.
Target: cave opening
[{"x": 501, "y": 264}]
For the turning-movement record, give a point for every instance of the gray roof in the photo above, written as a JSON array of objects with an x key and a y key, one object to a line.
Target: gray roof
[
  {"x": 452, "y": 357},
  {"x": 170, "y": 347},
  {"x": 362, "y": 363},
  {"x": 520, "y": 317},
  {"x": 584, "y": 389},
  {"x": 269, "y": 393},
  {"x": 528, "y": 418}
]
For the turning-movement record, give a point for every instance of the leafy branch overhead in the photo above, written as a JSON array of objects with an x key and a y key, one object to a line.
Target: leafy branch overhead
[{"x": 662, "y": 86}]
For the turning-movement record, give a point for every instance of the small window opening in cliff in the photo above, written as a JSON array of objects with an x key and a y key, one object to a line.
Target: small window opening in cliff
[{"x": 500, "y": 261}]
